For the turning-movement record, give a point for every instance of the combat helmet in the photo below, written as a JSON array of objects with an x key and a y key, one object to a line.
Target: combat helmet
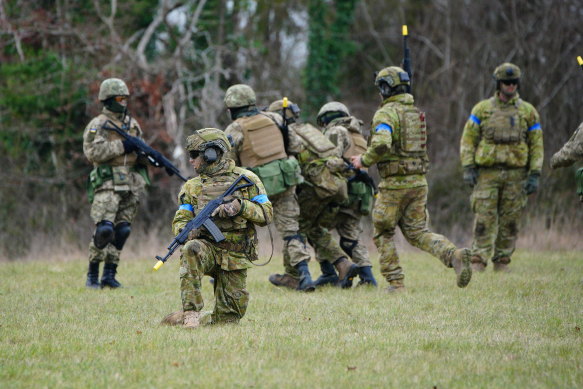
[
  {"x": 390, "y": 78},
  {"x": 292, "y": 112},
  {"x": 112, "y": 87},
  {"x": 240, "y": 95},
  {"x": 331, "y": 111},
  {"x": 507, "y": 71}
]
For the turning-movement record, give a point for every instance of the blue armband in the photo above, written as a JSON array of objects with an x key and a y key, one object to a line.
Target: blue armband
[
  {"x": 535, "y": 126},
  {"x": 186, "y": 207},
  {"x": 383, "y": 127},
  {"x": 260, "y": 199},
  {"x": 475, "y": 119}
]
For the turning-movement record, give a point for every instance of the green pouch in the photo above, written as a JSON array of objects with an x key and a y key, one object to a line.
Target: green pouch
[
  {"x": 292, "y": 173},
  {"x": 579, "y": 181},
  {"x": 271, "y": 176},
  {"x": 143, "y": 171},
  {"x": 96, "y": 178},
  {"x": 361, "y": 195}
]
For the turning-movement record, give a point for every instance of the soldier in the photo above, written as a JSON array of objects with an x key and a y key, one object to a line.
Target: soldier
[
  {"x": 398, "y": 146},
  {"x": 227, "y": 261},
  {"x": 325, "y": 184},
  {"x": 261, "y": 145},
  {"x": 115, "y": 184},
  {"x": 571, "y": 152},
  {"x": 501, "y": 152},
  {"x": 345, "y": 132}
]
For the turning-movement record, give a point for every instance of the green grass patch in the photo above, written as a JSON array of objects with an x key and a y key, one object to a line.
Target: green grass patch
[{"x": 520, "y": 329}]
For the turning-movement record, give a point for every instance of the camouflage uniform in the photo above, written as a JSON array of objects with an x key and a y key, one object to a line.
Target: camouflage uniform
[
  {"x": 227, "y": 261},
  {"x": 346, "y": 218},
  {"x": 571, "y": 152},
  {"x": 285, "y": 204},
  {"x": 401, "y": 158},
  {"x": 116, "y": 184},
  {"x": 504, "y": 142}
]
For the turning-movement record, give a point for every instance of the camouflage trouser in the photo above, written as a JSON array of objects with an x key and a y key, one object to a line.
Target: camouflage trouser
[
  {"x": 497, "y": 201},
  {"x": 115, "y": 207},
  {"x": 312, "y": 209},
  {"x": 286, "y": 214},
  {"x": 405, "y": 208},
  {"x": 347, "y": 222},
  {"x": 200, "y": 257}
]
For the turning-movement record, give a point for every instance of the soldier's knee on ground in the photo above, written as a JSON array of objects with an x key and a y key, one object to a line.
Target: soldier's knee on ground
[
  {"x": 104, "y": 234},
  {"x": 122, "y": 232}
]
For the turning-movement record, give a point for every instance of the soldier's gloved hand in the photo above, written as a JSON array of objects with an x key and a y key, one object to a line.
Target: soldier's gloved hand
[
  {"x": 356, "y": 161},
  {"x": 471, "y": 175},
  {"x": 531, "y": 184},
  {"x": 193, "y": 234},
  {"x": 230, "y": 209},
  {"x": 128, "y": 147}
]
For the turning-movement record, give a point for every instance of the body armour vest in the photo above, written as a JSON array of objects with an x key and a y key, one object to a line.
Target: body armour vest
[
  {"x": 262, "y": 141},
  {"x": 409, "y": 147},
  {"x": 214, "y": 186},
  {"x": 505, "y": 125},
  {"x": 316, "y": 143},
  {"x": 124, "y": 159}
]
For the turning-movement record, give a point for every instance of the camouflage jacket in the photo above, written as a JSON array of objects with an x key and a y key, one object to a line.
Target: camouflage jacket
[
  {"x": 339, "y": 134},
  {"x": 385, "y": 129},
  {"x": 479, "y": 146},
  {"x": 571, "y": 152},
  {"x": 256, "y": 209},
  {"x": 104, "y": 148},
  {"x": 235, "y": 130}
]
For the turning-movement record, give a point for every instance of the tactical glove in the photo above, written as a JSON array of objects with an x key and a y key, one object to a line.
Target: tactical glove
[
  {"x": 230, "y": 209},
  {"x": 128, "y": 147},
  {"x": 471, "y": 175},
  {"x": 531, "y": 184}
]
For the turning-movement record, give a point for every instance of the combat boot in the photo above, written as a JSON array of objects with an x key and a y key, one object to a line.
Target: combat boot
[
  {"x": 501, "y": 264},
  {"x": 284, "y": 280},
  {"x": 461, "y": 263},
  {"x": 347, "y": 270},
  {"x": 108, "y": 278},
  {"x": 305, "y": 284},
  {"x": 477, "y": 264},
  {"x": 93, "y": 276},
  {"x": 191, "y": 319},
  {"x": 395, "y": 286},
  {"x": 366, "y": 276},
  {"x": 328, "y": 276}
]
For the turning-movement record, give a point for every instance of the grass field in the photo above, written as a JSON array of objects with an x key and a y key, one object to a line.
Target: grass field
[{"x": 514, "y": 330}]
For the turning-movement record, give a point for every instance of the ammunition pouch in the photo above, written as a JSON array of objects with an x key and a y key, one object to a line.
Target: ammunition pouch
[
  {"x": 279, "y": 175},
  {"x": 579, "y": 182},
  {"x": 403, "y": 167},
  {"x": 360, "y": 196},
  {"x": 96, "y": 178},
  {"x": 327, "y": 185}
]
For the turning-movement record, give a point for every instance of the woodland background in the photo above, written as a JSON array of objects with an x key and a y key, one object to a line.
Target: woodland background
[{"x": 178, "y": 58}]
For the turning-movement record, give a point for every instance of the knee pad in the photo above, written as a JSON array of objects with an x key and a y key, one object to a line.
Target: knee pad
[
  {"x": 122, "y": 231},
  {"x": 103, "y": 234},
  {"x": 299, "y": 237},
  {"x": 348, "y": 245}
]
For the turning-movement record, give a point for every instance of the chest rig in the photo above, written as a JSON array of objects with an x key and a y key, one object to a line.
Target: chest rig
[
  {"x": 504, "y": 125},
  {"x": 262, "y": 141}
]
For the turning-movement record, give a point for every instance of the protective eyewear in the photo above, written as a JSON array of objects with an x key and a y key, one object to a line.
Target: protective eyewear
[
  {"x": 510, "y": 82},
  {"x": 119, "y": 99},
  {"x": 194, "y": 154}
]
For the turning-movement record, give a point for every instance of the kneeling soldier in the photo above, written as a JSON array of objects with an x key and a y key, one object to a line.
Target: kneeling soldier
[{"x": 227, "y": 261}]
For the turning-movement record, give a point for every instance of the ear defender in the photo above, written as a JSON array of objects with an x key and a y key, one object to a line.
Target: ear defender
[{"x": 210, "y": 155}]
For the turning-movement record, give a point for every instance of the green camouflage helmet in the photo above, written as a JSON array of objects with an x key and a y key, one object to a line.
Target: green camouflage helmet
[
  {"x": 507, "y": 71},
  {"x": 112, "y": 87},
  {"x": 393, "y": 76},
  {"x": 292, "y": 111},
  {"x": 333, "y": 106},
  {"x": 208, "y": 137},
  {"x": 239, "y": 95}
]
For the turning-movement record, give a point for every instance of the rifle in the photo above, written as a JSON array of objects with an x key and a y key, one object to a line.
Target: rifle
[
  {"x": 203, "y": 219},
  {"x": 407, "y": 57},
  {"x": 362, "y": 176},
  {"x": 285, "y": 128},
  {"x": 153, "y": 156}
]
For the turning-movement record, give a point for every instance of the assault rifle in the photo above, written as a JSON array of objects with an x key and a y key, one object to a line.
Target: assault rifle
[
  {"x": 362, "y": 176},
  {"x": 153, "y": 156},
  {"x": 204, "y": 219},
  {"x": 407, "y": 57}
]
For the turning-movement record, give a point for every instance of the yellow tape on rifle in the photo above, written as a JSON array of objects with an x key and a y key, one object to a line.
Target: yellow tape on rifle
[
  {"x": 285, "y": 102},
  {"x": 405, "y": 30},
  {"x": 158, "y": 265},
  {"x": 580, "y": 60}
]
